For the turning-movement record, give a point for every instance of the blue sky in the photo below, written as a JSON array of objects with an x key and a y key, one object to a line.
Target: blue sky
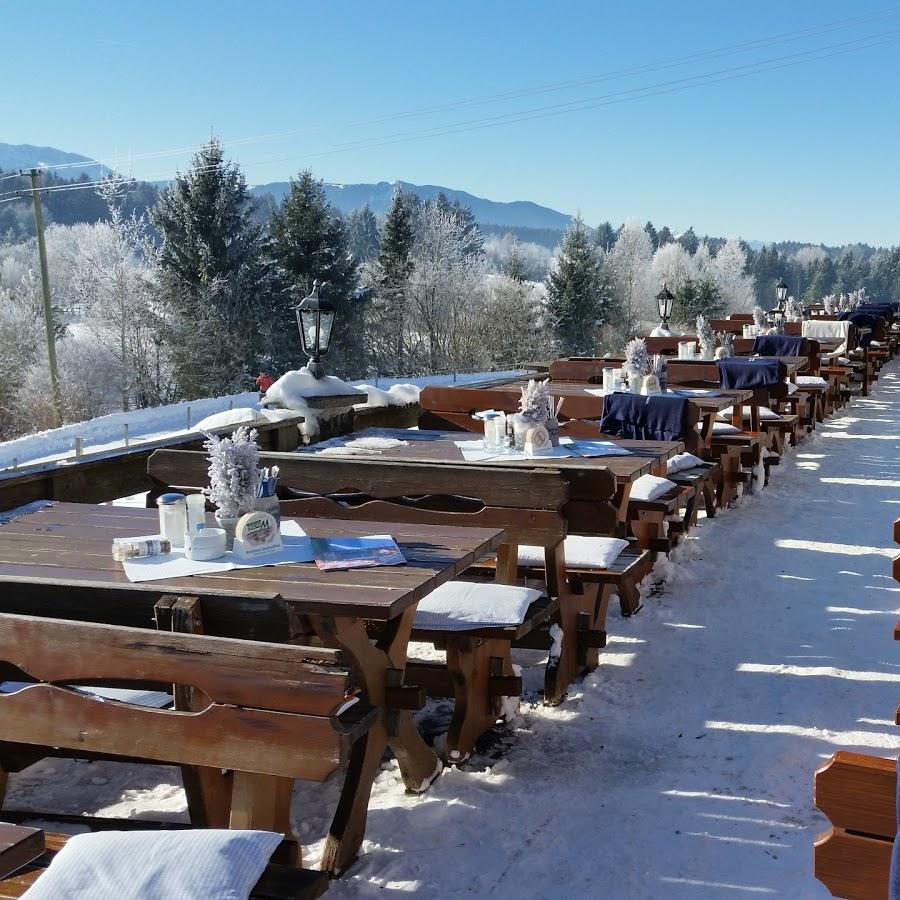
[{"x": 806, "y": 152}]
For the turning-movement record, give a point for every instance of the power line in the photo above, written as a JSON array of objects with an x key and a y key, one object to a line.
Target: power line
[
  {"x": 758, "y": 43},
  {"x": 616, "y": 97},
  {"x": 668, "y": 87}
]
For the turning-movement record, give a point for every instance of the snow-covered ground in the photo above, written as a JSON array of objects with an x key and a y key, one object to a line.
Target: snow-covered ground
[
  {"x": 683, "y": 767},
  {"x": 156, "y": 423}
]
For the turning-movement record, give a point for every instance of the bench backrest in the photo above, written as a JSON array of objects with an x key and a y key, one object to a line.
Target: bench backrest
[
  {"x": 705, "y": 374},
  {"x": 579, "y": 368},
  {"x": 273, "y": 709},
  {"x": 858, "y": 793},
  {"x": 734, "y": 326},
  {"x": 668, "y": 346},
  {"x": 532, "y": 504}
]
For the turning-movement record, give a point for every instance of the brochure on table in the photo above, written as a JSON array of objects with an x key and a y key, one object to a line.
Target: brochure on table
[
  {"x": 357, "y": 552},
  {"x": 474, "y": 451}
]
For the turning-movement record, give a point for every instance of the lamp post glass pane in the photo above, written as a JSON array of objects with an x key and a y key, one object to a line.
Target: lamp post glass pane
[
  {"x": 326, "y": 320},
  {"x": 309, "y": 327},
  {"x": 664, "y": 302},
  {"x": 781, "y": 290}
]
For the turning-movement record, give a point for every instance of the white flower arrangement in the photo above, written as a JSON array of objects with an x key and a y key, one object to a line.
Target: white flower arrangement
[
  {"x": 706, "y": 337},
  {"x": 536, "y": 403},
  {"x": 760, "y": 319},
  {"x": 637, "y": 359},
  {"x": 233, "y": 471},
  {"x": 726, "y": 342},
  {"x": 830, "y": 303},
  {"x": 793, "y": 310}
]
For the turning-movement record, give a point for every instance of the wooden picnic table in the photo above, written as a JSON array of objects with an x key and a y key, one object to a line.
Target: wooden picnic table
[
  {"x": 56, "y": 562},
  {"x": 583, "y": 402},
  {"x": 440, "y": 446}
]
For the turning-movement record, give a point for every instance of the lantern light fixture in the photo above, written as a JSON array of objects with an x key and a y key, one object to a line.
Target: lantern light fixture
[{"x": 315, "y": 320}]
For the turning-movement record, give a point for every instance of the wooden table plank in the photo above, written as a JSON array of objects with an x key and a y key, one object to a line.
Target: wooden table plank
[
  {"x": 646, "y": 455},
  {"x": 67, "y": 545}
]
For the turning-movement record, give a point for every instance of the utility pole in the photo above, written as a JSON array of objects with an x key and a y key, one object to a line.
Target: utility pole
[{"x": 45, "y": 290}]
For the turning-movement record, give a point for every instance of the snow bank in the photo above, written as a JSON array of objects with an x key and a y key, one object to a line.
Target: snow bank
[
  {"x": 107, "y": 432},
  {"x": 397, "y": 395},
  {"x": 156, "y": 423},
  {"x": 294, "y": 388}
]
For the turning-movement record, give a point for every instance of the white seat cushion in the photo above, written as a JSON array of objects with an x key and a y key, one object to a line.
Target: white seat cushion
[
  {"x": 463, "y": 605},
  {"x": 682, "y": 461},
  {"x": 811, "y": 381},
  {"x": 791, "y": 387},
  {"x": 725, "y": 428},
  {"x": 579, "y": 550},
  {"x": 214, "y": 864},
  {"x": 649, "y": 487},
  {"x": 876, "y": 343},
  {"x": 764, "y": 413},
  {"x": 844, "y": 361}
]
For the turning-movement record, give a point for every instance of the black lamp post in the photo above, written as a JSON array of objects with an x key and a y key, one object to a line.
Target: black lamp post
[
  {"x": 315, "y": 318},
  {"x": 781, "y": 292},
  {"x": 665, "y": 300}
]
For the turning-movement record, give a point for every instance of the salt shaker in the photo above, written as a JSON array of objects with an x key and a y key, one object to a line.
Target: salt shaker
[
  {"x": 491, "y": 423},
  {"x": 172, "y": 518}
]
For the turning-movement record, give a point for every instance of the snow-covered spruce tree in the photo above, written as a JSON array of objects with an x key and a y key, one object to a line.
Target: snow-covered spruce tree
[
  {"x": 212, "y": 251},
  {"x": 365, "y": 238},
  {"x": 311, "y": 242},
  {"x": 386, "y": 317},
  {"x": 578, "y": 293}
]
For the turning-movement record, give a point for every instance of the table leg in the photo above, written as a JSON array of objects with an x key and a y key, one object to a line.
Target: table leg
[{"x": 419, "y": 765}]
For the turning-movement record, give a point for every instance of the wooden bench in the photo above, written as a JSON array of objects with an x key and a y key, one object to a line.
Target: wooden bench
[
  {"x": 747, "y": 446},
  {"x": 276, "y": 883},
  {"x": 529, "y": 504},
  {"x": 858, "y": 793},
  {"x": 265, "y": 714}
]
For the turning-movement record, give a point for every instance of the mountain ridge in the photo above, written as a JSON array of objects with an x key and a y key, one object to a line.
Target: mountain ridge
[
  {"x": 27, "y": 156},
  {"x": 348, "y": 197}
]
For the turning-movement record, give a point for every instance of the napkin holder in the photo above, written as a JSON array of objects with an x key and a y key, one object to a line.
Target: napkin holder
[
  {"x": 256, "y": 535},
  {"x": 537, "y": 439}
]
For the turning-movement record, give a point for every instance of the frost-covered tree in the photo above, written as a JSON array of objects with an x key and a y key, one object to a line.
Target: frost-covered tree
[
  {"x": 671, "y": 265},
  {"x": 510, "y": 320},
  {"x": 442, "y": 284},
  {"x": 213, "y": 251},
  {"x": 310, "y": 242},
  {"x": 21, "y": 343},
  {"x": 523, "y": 260},
  {"x": 578, "y": 293},
  {"x": 736, "y": 286},
  {"x": 365, "y": 239},
  {"x": 463, "y": 217},
  {"x": 113, "y": 287},
  {"x": 630, "y": 260}
]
